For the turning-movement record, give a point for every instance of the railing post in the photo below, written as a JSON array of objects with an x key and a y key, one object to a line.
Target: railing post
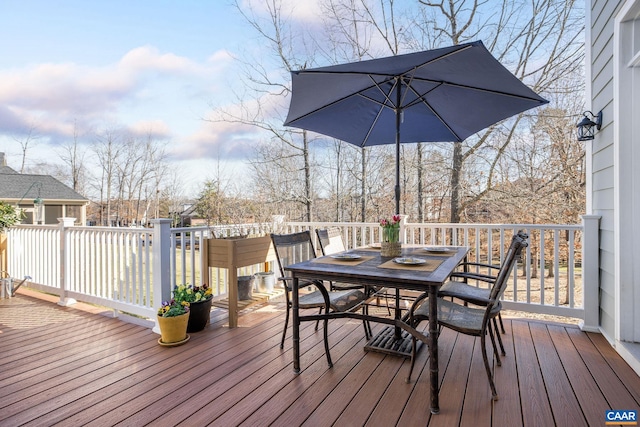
[
  {"x": 591, "y": 273},
  {"x": 161, "y": 253},
  {"x": 64, "y": 223}
]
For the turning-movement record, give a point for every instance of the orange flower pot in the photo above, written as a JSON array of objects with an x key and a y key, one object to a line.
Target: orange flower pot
[{"x": 173, "y": 330}]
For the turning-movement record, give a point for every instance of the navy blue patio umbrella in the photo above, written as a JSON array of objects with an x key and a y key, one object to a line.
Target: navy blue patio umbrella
[{"x": 444, "y": 94}]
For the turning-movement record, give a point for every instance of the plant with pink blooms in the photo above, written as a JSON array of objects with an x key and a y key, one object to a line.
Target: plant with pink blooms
[{"x": 391, "y": 228}]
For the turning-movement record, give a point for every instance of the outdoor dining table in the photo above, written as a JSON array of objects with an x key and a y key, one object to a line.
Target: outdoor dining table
[{"x": 369, "y": 268}]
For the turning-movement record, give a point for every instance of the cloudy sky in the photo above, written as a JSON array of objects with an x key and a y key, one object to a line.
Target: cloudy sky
[{"x": 152, "y": 66}]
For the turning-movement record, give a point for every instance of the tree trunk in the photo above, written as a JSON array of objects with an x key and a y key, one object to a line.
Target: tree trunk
[
  {"x": 307, "y": 176},
  {"x": 363, "y": 190},
  {"x": 420, "y": 185},
  {"x": 455, "y": 182}
]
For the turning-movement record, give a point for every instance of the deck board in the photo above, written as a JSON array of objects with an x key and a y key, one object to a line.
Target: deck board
[
  {"x": 536, "y": 410},
  {"x": 588, "y": 393},
  {"x": 75, "y": 366},
  {"x": 562, "y": 399}
]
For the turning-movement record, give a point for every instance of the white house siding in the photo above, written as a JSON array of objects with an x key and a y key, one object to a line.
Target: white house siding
[
  {"x": 627, "y": 103},
  {"x": 613, "y": 71},
  {"x": 602, "y": 151}
]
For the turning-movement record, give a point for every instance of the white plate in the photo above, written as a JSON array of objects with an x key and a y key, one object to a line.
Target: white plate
[
  {"x": 375, "y": 245},
  {"x": 409, "y": 261},
  {"x": 437, "y": 249},
  {"x": 346, "y": 257}
]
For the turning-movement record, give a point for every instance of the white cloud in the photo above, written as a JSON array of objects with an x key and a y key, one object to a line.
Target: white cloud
[
  {"x": 215, "y": 140},
  {"x": 54, "y": 96},
  {"x": 307, "y": 10},
  {"x": 155, "y": 128},
  {"x": 148, "y": 58}
]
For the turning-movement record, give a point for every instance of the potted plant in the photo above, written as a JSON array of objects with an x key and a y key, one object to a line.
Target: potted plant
[
  {"x": 199, "y": 299},
  {"x": 390, "y": 245},
  {"x": 173, "y": 317}
]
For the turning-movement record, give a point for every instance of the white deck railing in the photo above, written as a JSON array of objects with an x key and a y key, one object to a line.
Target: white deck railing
[
  {"x": 550, "y": 279},
  {"x": 123, "y": 268}
]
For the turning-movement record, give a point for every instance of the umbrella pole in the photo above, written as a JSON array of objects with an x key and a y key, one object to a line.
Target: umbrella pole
[
  {"x": 398, "y": 313},
  {"x": 398, "y": 115}
]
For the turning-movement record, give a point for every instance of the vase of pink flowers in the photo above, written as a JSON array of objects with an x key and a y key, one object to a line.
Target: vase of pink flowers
[{"x": 390, "y": 245}]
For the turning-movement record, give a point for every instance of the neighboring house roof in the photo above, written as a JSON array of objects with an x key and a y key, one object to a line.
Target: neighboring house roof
[
  {"x": 190, "y": 211},
  {"x": 15, "y": 186},
  {"x": 6, "y": 169}
]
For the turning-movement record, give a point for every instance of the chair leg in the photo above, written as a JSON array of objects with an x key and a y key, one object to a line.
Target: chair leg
[
  {"x": 284, "y": 332},
  {"x": 493, "y": 343},
  {"x": 494, "y": 393},
  {"x": 318, "y": 321},
  {"x": 326, "y": 342},
  {"x": 365, "y": 323},
  {"x": 495, "y": 327},
  {"x": 413, "y": 358},
  {"x": 501, "y": 324}
]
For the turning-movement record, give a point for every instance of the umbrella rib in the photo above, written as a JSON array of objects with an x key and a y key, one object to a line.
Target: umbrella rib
[
  {"x": 475, "y": 88},
  {"x": 386, "y": 95},
  {"x": 381, "y": 104},
  {"x": 373, "y": 125},
  {"x": 435, "y": 113}
]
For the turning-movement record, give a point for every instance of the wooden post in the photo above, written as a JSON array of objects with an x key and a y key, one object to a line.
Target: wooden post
[
  {"x": 591, "y": 273},
  {"x": 205, "y": 271},
  {"x": 161, "y": 250},
  {"x": 3, "y": 252},
  {"x": 64, "y": 301}
]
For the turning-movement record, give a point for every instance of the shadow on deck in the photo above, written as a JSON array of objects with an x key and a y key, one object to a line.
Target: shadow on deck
[{"x": 74, "y": 366}]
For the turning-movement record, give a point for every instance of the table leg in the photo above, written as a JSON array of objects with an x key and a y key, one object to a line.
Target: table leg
[
  {"x": 233, "y": 297},
  {"x": 296, "y": 326},
  {"x": 433, "y": 348},
  {"x": 398, "y": 315}
]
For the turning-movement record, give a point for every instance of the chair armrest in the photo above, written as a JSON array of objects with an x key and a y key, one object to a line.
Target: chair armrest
[
  {"x": 288, "y": 282},
  {"x": 414, "y": 306},
  {"x": 478, "y": 264},
  {"x": 474, "y": 276}
]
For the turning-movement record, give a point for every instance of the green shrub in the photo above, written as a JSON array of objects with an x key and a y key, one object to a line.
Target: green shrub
[{"x": 9, "y": 216}]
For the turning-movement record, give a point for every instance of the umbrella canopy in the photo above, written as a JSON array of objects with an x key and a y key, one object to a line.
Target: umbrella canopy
[{"x": 444, "y": 94}]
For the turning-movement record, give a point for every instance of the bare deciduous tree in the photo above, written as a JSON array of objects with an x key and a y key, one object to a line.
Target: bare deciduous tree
[
  {"x": 26, "y": 142},
  {"x": 539, "y": 41}
]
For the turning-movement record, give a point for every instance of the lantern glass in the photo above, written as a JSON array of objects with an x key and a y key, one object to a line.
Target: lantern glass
[{"x": 38, "y": 211}]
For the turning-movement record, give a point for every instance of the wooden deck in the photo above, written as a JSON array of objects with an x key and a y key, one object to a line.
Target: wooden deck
[{"x": 70, "y": 366}]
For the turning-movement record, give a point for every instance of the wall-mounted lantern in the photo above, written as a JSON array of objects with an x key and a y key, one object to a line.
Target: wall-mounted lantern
[{"x": 587, "y": 127}]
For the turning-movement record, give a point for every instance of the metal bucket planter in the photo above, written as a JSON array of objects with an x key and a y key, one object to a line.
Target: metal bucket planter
[
  {"x": 199, "y": 315},
  {"x": 173, "y": 330},
  {"x": 266, "y": 281},
  {"x": 245, "y": 287}
]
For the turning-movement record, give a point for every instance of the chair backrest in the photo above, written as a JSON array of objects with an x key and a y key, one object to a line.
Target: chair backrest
[
  {"x": 292, "y": 248},
  {"x": 330, "y": 240},
  {"x": 518, "y": 243}
]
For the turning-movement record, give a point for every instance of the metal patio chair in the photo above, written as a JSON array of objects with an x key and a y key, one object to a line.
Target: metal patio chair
[
  {"x": 297, "y": 247},
  {"x": 470, "y": 320},
  {"x": 331, "y": 242},
  {"x": 477, "y": 295}
]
